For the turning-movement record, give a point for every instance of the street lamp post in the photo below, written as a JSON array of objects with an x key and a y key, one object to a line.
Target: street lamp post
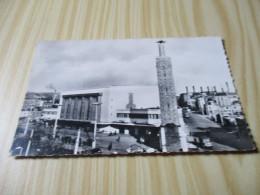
[
  {"x": 95, "y": 125},
  {"x": 28, "y": 120},
  {"x": 56, "y": 120},
  {"x": 29, "y": 143},
  {"x": 77, "y": 143}
]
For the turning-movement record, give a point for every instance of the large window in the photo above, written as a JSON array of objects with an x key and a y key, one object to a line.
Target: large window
[
  {"x": 122, "y": 115},
  {"x": 153, "y": 116},
  {"x": 142, "y": 116}
]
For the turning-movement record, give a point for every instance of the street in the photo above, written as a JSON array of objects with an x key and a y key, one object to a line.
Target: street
[{"x": 222, "y": 138}]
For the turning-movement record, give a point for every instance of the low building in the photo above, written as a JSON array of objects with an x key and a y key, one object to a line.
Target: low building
[
  {"x": 49, "y": 114},
  {"x": 149, "y": 116},
  {"x": 24, "y": 113},
  {"x": 28, "y": 104},
  {"x": 78, "y": 105},
  {"x": 125, "y": 109}
]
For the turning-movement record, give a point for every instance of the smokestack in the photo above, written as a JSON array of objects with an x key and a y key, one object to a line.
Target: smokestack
[
  {"x": 208, "y": 88},
  {"x": 227, "y": 86},
  {"x": 215, "y": 89},
  {"x": 201, "y": 89},
  {"x": 131, "y": 104},
  {"x": 193, "y": 89},
  {"x": 161, "y": 48},
  {"x": 187, "y": 90},
  {"x": 131, "y": 98},
  {"x": 222, "y": 89}
]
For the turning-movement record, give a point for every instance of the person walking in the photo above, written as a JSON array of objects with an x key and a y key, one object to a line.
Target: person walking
[{"x": 110, "y": 146}]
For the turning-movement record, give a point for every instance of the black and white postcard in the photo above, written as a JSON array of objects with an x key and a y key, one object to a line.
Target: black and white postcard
[{"x": 100, "y": 97}]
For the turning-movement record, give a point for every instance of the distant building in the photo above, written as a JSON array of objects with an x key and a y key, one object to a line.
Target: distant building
[
  {"x": 219, "y": 106},
  {"x": 222, "y": 99},
  {"x": 49, "y": 114},
  {"x": 212, "y": 110},
  {"x": 24, "y": 113},
  {"x": 183, "y": 100},
  {"x": 36, "y": 114},
  {"x": 28, "y": 103}
]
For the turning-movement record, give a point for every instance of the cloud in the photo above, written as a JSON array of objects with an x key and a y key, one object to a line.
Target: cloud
[{"x": 96, "y": 63}]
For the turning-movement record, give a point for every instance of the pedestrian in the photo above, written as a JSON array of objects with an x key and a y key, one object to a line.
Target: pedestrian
[
  {"x": 118, "y": 139},
  {"x": 110, "y": 146}
]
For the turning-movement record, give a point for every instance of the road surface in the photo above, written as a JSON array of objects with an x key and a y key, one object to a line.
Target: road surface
[{"x": 223, "y": 138}]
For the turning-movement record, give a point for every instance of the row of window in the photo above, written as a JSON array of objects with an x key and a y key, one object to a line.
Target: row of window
[
  {"x": 153, "y": 116},
  {"x": 122, "y": 115},
  {"x": 51, "y": 112},
  {"x": 143, "y": 116}
]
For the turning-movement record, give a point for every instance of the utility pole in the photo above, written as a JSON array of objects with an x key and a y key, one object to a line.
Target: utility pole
[
  {"x": 77, "y": 143},
  {"x": 29, "y": 143},
  {"x": 95, "y": 125}
]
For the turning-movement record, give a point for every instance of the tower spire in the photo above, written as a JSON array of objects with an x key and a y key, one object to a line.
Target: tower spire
[{"x": 161, "y": 48}]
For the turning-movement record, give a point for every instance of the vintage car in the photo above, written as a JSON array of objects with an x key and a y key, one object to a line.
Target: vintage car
[{"x": 202, "y": 142}]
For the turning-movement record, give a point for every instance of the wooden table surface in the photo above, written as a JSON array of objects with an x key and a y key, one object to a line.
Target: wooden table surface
[{"x": 23, "y": 23}]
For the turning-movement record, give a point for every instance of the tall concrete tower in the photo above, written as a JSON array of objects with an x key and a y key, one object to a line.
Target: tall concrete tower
[{"x": 168, "y": 103}]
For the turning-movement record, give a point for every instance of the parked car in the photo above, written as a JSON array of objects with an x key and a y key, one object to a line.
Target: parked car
[
  {"x": 206, "y": 143},
  {"x": 135, "y": 149},
  {"x": 202, "y": 142},
  {"x": 192, "y": 147},
  {"x": 138, "y": 149},
  {"x": 93, "y": 151},
  {"x": 229, "y": 121}
]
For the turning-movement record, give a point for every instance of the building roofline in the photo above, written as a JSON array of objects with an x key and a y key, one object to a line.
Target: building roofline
[{"x": 103, "y": 88}]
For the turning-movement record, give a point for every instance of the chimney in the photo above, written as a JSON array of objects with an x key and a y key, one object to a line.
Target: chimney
[
  {"x": 215, "y": 89},
  {"x": 227, "y": 86},
  {"x": 208, "y": 88},
  {"x": 201, "y": 89},
  {"x": 161, "y": 48},
  {"x": 187, "y": 90},
  {"x": 222, "y": 89},
  {"x": 130, "y": 104},
  {"x": 193, "y": 89},
  {"x": 131, "y": 98}
]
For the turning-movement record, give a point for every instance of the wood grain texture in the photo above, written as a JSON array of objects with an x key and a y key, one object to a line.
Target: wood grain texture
[{"x": 23, "y": 23}]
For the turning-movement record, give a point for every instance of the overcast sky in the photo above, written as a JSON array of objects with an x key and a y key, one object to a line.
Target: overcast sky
[{"x": 71, "y": 65}]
